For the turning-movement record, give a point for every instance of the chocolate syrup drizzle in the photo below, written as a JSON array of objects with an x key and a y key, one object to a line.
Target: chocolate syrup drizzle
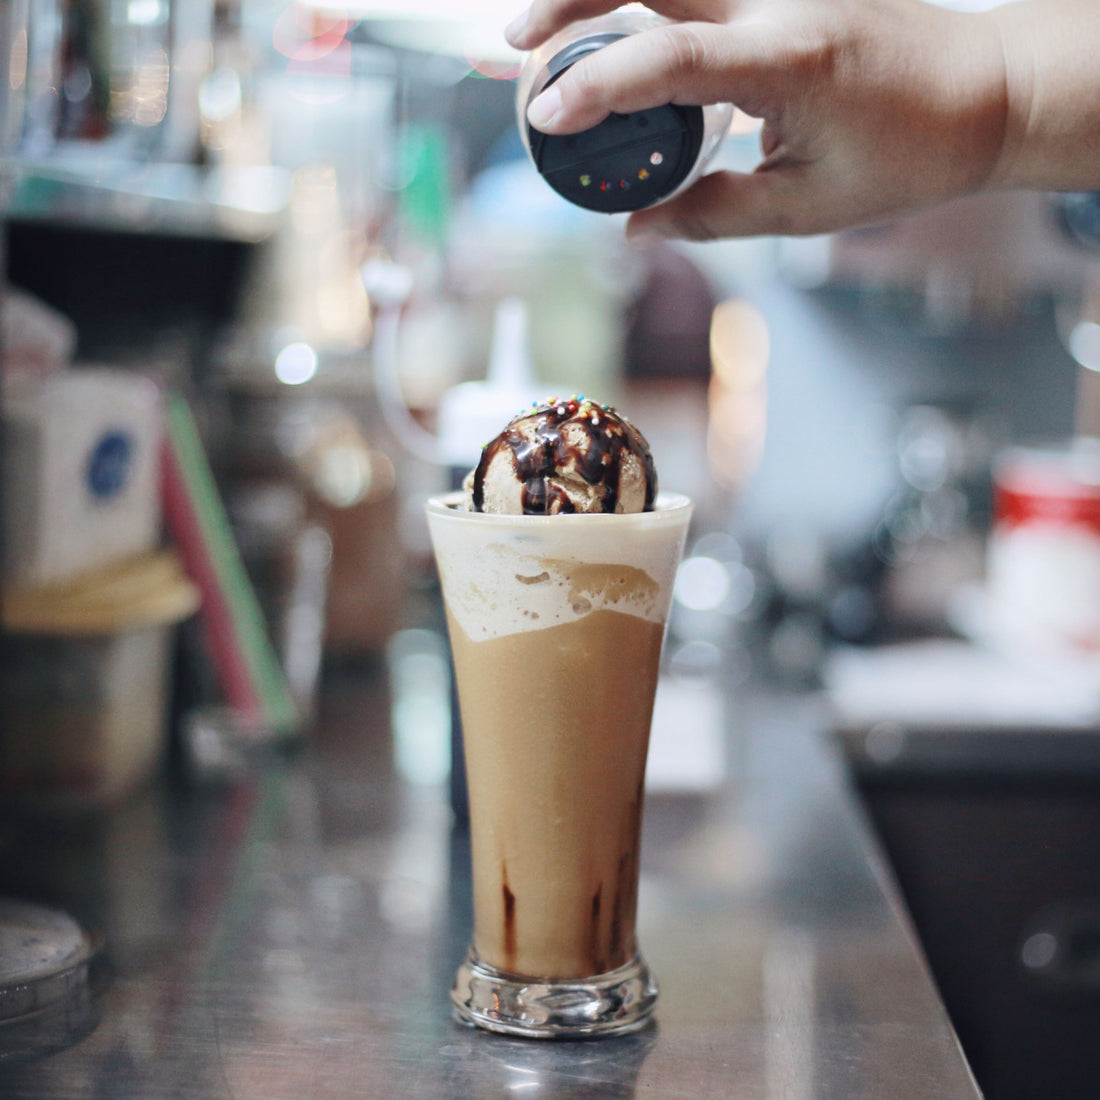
[
  {"x": 619, "y": 946},
  {"x": 540, "y": 450},
  {"x": 509, "y": 919}
]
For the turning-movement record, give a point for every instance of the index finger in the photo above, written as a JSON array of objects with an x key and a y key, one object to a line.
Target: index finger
[
  {"x": 683, "y": 63},
  {"x": 544, "y": 17}
]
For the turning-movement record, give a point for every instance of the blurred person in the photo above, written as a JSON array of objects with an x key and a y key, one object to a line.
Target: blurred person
[{"x": 870, "y": 109}]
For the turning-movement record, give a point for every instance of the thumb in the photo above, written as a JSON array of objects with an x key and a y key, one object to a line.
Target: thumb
[{"x": 732, "y": 204}]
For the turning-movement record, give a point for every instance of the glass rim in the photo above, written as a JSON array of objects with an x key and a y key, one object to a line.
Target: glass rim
[{"x": 668, "y": 508}]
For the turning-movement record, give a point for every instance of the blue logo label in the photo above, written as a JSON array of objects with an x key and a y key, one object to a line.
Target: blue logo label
[{"x": 109, "y": 464}]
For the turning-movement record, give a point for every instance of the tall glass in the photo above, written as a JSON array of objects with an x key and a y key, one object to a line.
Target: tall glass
[{"x": 556, "y": 625}]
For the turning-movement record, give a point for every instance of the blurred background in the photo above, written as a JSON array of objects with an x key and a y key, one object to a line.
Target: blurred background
[{"x": 257, "y": 260}]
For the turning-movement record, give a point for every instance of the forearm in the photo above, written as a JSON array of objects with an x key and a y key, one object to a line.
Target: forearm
[{"x": 1052, "y": 85}]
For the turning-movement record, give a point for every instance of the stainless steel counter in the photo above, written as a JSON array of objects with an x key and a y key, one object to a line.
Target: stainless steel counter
[{"x": 293, "y": 933}]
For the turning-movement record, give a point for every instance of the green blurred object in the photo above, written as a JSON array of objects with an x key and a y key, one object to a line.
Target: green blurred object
[{"x": 424, "y": 164}]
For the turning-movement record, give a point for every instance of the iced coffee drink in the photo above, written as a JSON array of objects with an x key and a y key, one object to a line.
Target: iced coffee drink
[{"x": 557, "y": 564}]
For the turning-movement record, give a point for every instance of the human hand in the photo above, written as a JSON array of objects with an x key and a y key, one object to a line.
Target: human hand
[{"x": 869, "y": 108}]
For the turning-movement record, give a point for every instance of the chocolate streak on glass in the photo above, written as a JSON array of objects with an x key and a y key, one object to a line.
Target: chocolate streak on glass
[{"x": 509, "y": 920}]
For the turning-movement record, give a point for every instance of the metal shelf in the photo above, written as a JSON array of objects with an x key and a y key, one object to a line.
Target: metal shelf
[{"x": 96, "y": 189}]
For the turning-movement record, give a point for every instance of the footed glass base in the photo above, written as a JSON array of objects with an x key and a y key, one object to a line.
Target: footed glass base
[{"x": 554, "y": 1008}]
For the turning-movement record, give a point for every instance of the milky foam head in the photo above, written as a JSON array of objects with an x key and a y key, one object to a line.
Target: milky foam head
[{"x": 511, "y": 574}]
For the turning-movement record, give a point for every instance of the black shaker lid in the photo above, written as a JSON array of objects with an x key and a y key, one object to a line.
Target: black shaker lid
[{"x": 626, "y": 162}]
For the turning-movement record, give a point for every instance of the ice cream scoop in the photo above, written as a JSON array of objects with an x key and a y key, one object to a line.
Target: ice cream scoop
[{"x": 562, "y": 456}]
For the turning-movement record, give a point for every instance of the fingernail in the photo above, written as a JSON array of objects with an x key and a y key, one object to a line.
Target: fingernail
[
  {"x": 545, "y": 108},
  {"x": 514, "y": 31}
]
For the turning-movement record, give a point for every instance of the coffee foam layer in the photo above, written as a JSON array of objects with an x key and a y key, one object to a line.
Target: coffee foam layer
[{"x": 510, "y": 575}]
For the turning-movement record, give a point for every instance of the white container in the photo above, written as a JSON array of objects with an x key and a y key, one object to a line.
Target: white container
[
  {"x": 1044, "y": 550},
  {"x": 84, "y": 682},
  {"x": 472, "y": 413},
  {"x": 80, "y": 485}
]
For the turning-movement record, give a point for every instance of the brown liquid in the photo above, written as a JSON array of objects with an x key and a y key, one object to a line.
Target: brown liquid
[{"x": 556, "y": 727}]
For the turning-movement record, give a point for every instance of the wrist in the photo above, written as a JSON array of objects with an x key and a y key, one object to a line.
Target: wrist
[
  {"x": 977, "y": 84},
  {"x": 1052, "y": 91},
  {"x": 1019, "y": 92}
]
